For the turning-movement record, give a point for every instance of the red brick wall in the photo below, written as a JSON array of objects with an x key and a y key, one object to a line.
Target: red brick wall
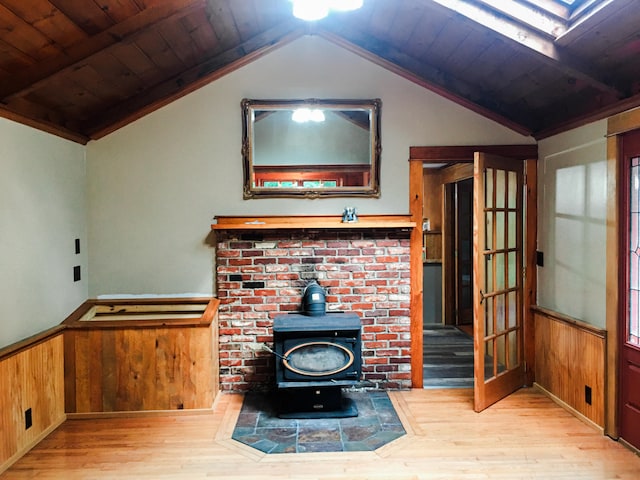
[{"x": 263, "y": 274}]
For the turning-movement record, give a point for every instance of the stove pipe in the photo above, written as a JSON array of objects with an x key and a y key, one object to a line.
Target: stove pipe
[{"x": 313, "y": 300}]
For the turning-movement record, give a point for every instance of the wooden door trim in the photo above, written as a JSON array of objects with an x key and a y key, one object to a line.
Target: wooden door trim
[
  {"x": 452, "y": 154},
  {"x": 616, "y": 126}
]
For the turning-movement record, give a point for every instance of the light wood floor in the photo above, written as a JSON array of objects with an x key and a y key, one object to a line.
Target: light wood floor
[{"x": 524, "y": 436}]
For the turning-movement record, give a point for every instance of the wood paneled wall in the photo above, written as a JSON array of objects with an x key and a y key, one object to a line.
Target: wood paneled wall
[
  {"x": 570, "y": 355},
  {"x": 31, "y": 377},
  {"x": 137, "y": 369}
]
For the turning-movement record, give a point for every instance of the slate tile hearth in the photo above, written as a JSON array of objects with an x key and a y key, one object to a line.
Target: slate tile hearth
[{"x": 259, "y": 426}]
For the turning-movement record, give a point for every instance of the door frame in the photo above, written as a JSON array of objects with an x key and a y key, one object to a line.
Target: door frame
[
  {"x": 418, "y": 156},
  {"x": 616, "y": 126},
  {"x": 450, "y": 256}
]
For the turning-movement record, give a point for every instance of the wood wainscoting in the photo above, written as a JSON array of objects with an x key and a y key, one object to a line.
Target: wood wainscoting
[
  {"x": 570, "y": 363},
  {"x": 31, "y": 379},
  {"x": 169, "y": 362}
]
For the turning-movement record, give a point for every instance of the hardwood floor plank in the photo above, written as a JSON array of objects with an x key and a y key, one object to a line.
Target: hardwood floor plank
[{"x": 526, "y": 435}]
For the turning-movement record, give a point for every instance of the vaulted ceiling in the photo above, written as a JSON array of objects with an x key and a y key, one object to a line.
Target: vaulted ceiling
[{"x": 83, "y": 68}]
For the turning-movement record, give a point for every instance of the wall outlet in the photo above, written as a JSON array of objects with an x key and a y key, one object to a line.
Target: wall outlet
[
  {"x": 77, "y": 246},
  {"x": 76, "y": 273},
  {"x": 28, "y": 419},
  {"x": 539, "y": 258},
  {"x": 587, "y": 394}
]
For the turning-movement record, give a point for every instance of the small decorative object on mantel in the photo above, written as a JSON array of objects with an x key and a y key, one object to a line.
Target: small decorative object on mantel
[{"x": 349, "y": 215}]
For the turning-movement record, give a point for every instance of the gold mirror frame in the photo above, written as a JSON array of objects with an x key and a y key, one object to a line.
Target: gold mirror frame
[{"x": 345, "y": 176}]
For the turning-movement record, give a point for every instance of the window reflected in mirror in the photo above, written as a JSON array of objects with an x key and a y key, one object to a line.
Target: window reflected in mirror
[{"x": 311, "y": 148}]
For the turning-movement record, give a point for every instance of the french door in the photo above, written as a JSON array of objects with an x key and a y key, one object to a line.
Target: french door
[
  {"x": 629, "y": 400},
  {"x": 497, "y": 278}
]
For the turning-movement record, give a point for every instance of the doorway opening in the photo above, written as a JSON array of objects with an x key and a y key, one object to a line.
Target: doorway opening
[
  {"x": 448, "y": 277},
  {"x": 502, "y": 255}
]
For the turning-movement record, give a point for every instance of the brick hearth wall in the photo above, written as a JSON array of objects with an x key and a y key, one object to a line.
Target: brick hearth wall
[{"x": 263, "y": 274}]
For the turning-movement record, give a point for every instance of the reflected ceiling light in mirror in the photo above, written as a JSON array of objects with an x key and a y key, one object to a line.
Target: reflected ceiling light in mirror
[
  {"x": 303, "y": 115},
  {"x": 345, "y": 5},
  {"x": 311, "y": 10}
]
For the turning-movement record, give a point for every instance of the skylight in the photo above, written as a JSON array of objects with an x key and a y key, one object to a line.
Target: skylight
[{"x": 572, "y": 5}]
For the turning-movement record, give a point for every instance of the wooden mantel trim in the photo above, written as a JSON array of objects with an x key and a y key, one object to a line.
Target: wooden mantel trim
[{"x": 314, "y": 222}]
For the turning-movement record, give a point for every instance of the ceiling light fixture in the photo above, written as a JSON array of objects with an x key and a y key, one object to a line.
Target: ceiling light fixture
[{"x": 311, "y": 10}]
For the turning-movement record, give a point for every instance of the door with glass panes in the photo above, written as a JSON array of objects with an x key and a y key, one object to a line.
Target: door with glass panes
[
  {"x": 629, "y": 341},
  {"x": 497, "y": 278}
]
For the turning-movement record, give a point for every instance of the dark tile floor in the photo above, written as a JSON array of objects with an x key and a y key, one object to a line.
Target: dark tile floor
[
  {"x": 377, "y": 424},
  {"x": 448, "y": 357}
]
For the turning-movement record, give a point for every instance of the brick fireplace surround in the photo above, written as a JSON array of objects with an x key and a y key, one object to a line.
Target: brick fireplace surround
[{"x": 263, "y": 266}]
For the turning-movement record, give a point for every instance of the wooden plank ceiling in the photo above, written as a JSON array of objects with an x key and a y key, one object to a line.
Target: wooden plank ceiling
[{"x": 82, "y": 69}]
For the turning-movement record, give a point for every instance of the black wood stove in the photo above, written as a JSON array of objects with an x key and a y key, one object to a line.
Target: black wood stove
[{"x": 317, "y": 355}]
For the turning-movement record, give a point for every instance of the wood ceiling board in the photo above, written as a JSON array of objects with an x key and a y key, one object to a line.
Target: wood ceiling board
[
  {"x": 12, "y": 59},
  {"x": 612, "y": 33},
  {"x": 471, "y": 47},
  {"x": 526, "y": 39},
  {"x": 200, "y": 39},
  {"x": 459, "y": 91},
  {"x": 221, "y": 19},
  {"x": 424, "y": 34},
  {"x": 447, "y": 46},
  {"x": 589, "y": 25},
  {"x": 70, "y": 99},
  {"x": 138, "y": 63},
  {"x": 156, "y": 48},
  {"x": 404, "y": 24},
  {"x": 212, "y": 68},
  {"x": 536, "y": 18},
  {"x": 127, "y": 31},
  {"x": 488, "y": 61},
  {"x": 106, "y": 92},
  {"x": 86, "y": 14},
  {"x": 48, "y": 20},
  {"x": 382, "y": 18},
  {"x": 271, "y": 12},
  {"x": 24, "y": 37},
  {"x": 245, "y": 19},
  {"x": 119, "y": 10},
  {"x": 505, "y": 75},
  {"x": 115, "y": 72},
  {"x": 42, "y": 115},
  {"x": 43, "y": 125}
]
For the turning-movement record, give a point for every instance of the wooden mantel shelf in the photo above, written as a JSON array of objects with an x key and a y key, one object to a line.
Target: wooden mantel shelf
[{"x": 276, "y": 222}]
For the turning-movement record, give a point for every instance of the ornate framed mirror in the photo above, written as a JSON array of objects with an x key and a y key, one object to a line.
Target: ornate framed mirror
[{"x": 311, "y": 148}]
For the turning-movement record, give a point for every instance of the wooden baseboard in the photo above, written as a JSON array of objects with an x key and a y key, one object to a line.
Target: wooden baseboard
[
  {"x": 569, "y": 408},
  {"x": 18, "y": 455},
  {"x": 138, "y": 413}
]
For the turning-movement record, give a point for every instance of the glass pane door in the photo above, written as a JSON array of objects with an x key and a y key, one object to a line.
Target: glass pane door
[
  {"x": 632, "y": 330},
  {"x": 498, "y": 244}
]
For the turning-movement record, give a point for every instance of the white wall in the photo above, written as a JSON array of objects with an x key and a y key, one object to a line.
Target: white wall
[
  {"x": 572, "y": 222},
  {"x": 42, "y": 212},
  {"x": 155, "y": 185}
]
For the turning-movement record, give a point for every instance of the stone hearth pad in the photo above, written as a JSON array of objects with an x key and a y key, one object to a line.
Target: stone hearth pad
[{"x": 377, "y": 424}]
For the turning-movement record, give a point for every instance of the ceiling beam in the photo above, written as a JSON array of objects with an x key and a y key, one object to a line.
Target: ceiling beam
[
  {"x": 529, "y": 41},
  {"x": 196, "y": 77},
  {"x": 127, "y": 31}
]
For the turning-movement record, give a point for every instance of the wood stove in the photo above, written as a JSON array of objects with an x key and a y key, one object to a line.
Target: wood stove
[{"x": 316, "y": 356}]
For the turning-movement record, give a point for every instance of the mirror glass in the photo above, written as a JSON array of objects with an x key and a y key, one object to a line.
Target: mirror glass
[{"x": 311, "y": 148}]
